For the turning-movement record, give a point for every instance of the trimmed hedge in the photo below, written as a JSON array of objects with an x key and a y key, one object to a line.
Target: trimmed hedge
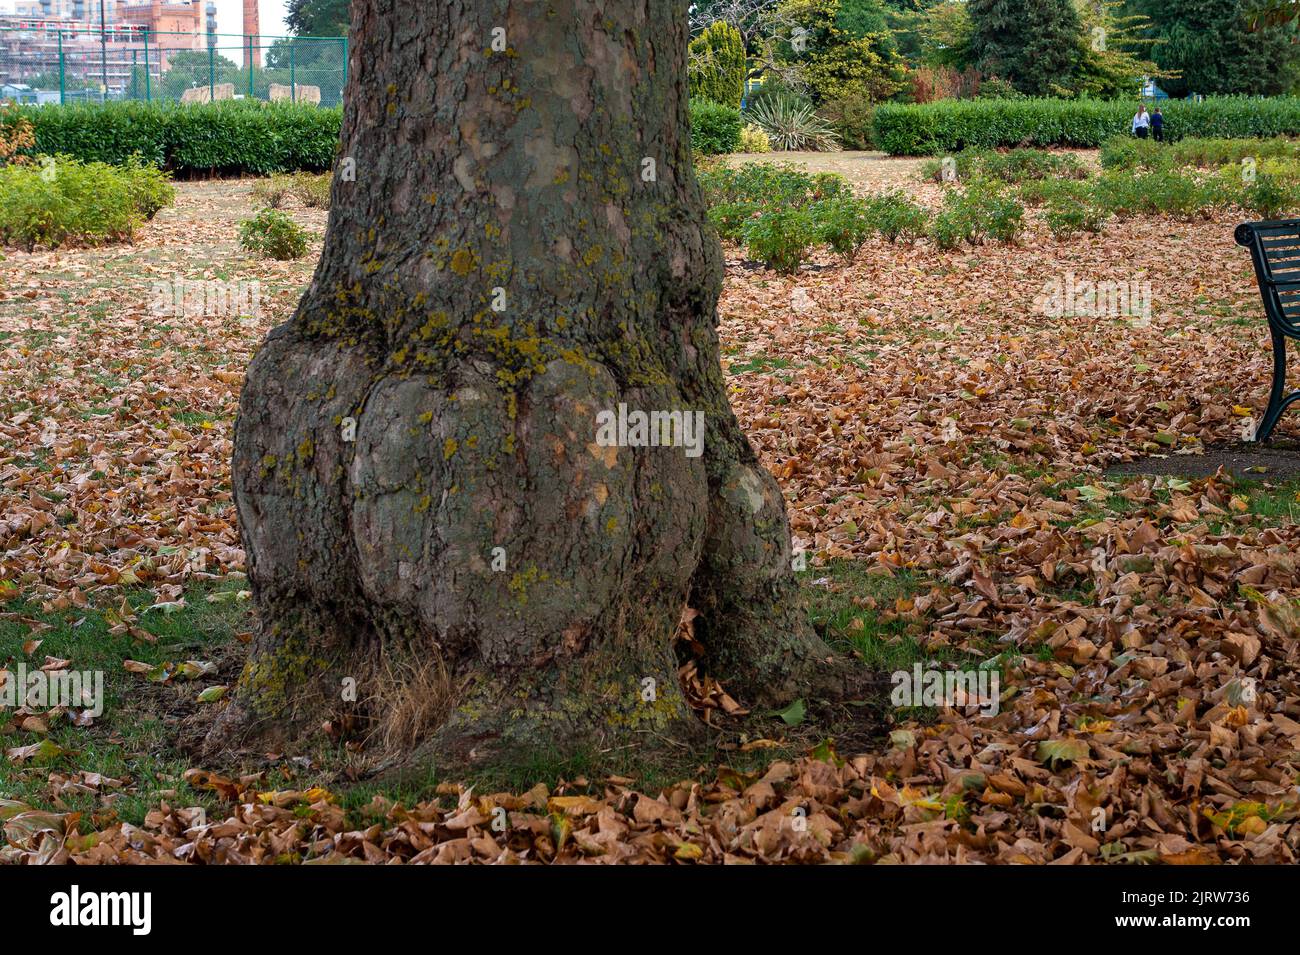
[
  {"x": 714, "y": 128},
  {"x": 227, "y": 138},
  {"x": 949, "y": 126}
]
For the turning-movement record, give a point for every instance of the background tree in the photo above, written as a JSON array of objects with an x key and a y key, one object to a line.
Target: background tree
[
  {"x": 317, "y": 17},
  {"x": 717, "y": 64},
  {"x": 1221, "y": 46},
  {"x": 1115, "y": 56},
  {"x": 841, "y": 55},
  {"x": 189, "y": 68},
  {"x": 424, "y": 496},
  {"x": 1034, "y": 44}
]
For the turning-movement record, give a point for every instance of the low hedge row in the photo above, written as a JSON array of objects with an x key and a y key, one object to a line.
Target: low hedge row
[
  {"x": 227, "y": 138},
  {"x": 949, "y": 126}
]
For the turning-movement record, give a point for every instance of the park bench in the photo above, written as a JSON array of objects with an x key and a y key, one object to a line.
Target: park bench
[{"x": 1275, "y": 250}]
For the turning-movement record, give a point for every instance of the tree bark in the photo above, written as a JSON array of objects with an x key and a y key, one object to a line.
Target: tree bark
[{"x": 417, "y": 467}]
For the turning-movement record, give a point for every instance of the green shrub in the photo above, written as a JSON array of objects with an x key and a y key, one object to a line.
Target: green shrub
[
  {"x": 769, "y": 184},
  {"x": 1157, "y": 191},
  {"x": 150, "y": 188},
  {"x": 842, "y": 223},
  {"x": 714, "y": 128},
  {"x": 1066, "y": 218},
  {"x": 780, "y": 238},
  {"x": 729, "y": 218},
  {"x": 62, "y": 201},
  {"x": 895, "y": 216},
  {"x": 950, "y": 228},
  {"x": 233, "y": 137},
  {"x": 273, "y": 234},
  {"x": 717, "y": 65},
  {"x": 980, "y": 211},
  {"x": 1036, "y": 192},
  {"x": 791, "y": 123},
  {"x": 1017, "y": 165},
  {"x": 948, "y": 126},
  {"x": 850, "y": 118},
  {"x": 1268, "y": 197}
]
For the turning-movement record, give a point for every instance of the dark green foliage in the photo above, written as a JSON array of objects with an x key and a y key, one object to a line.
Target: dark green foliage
[
  {"x": 1221, "y": 47},
  {"x": 1035, "y": 44},
  {"x": 980, "y": 211},
  {"x": 1018, "y": 165},
  {"x": 896, "y": 217},
  {"x": 1269, "y": 197},
  {"x": 770, "y": 184},
  {"x": 842, "y": 223},
  {"x": 317, "y": 17},
  {"x": 781, "y": 237},
  {"x": 850, "y": 119},
  {"x": 717, "y": 65},
  {"x": 273, "y": 234},
  {"x": 714, "y": 128},
  {"x": 949, "y": 126},
  {"x": 229, "y": 138},
  {"x": 1157, "y": 191}
]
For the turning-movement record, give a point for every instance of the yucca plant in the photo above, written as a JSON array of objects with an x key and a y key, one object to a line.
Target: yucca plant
[{"x": 791, "y": 123}]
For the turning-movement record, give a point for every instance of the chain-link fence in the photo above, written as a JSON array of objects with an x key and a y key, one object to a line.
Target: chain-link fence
[{"x": 75, "y": 65}]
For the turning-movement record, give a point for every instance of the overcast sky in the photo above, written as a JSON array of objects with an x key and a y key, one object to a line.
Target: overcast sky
[{"x": 230, "y": 16}]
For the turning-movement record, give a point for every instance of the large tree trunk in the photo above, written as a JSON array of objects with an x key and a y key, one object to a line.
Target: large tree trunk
[{"x": 524, "y": 246}]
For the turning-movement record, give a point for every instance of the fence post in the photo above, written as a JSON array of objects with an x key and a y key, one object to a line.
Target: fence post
[
  {"x": 252, "y": 63},
  {"x": 293, "y": 82},
  {"x": 212, "y": 74},
  {"x": 345, "y": 64},
  {"x": 148, "y": 91},
  {"x": 63, "y": 96}
]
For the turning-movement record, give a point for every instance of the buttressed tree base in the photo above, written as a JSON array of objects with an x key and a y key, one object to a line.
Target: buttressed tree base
[{"x": 517, "y": 249}]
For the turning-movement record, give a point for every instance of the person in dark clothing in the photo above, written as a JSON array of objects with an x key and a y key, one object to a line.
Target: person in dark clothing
[{"x": 1158, "y": 126}]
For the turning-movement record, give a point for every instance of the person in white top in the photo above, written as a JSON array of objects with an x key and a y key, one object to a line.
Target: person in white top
[{"x": 1141, "y": 122}]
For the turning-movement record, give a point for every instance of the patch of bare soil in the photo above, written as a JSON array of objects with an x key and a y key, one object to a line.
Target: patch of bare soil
[{"x": 1277, "y": 461}]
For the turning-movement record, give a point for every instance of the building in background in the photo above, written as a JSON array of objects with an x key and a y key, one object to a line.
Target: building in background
[{"x": 40, "y": 33}]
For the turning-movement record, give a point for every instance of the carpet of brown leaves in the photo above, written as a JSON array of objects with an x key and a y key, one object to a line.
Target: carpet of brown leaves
[{"x": 926, "y": 419}]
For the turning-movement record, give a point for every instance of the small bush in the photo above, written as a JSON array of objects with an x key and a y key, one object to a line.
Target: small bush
[
  {"x": 16, "y": 137},
  {"x": 754, "y": 140},
  {"x": 981, "y": 211},
  {"x": 895, "y": 216},
  {"x": 1015, "y": 166},
  {"x": 273, "y": 234},
  {"x": 769, "y": 184},
  {"x": 1037, "y": 192},
  {"x": 850, "y": 117},
  {"x": 792, "y": 124},
  {"x": 1066, "y": 218},
  {"x": 313, "y": 191},
  {"x": 1268, "y": 197},
  {"x": 780, "y": 238},
  {"x": 714, "y": 128},
  {"x": 62, "y": 201},
  {"x": 150, "y": 188},
  {"x": 730, "y": 218},
  {"x": 1158, "y": 191},
  {"x": 842, "y": 223}
]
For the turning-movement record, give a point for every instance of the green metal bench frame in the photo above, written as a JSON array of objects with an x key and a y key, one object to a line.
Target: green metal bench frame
[{"x": 1275, "y": 250}]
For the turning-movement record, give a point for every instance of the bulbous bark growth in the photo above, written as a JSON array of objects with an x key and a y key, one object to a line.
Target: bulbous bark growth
[{"x": 419, "y": 474}]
